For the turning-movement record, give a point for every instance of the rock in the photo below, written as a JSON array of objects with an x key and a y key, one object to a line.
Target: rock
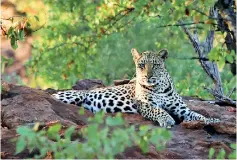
[
  {"x": 190, "y": 140},
  {"x": 26, "y": 105},
  {"x": 228, "y": 119},
  {"x": 193, "y": 125},
  {"x": 124, "y": 81},
  {"x": 87, "y": 84},
  {"x": 225, "y": 128},
  {"x": 121, "y": 82}
]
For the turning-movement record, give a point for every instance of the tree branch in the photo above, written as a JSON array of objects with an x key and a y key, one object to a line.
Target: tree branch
[
  {"x": 10, "y": 18},
  {"x": 42, "y": 26},
  {"x": 231, "y": 92},
  {"x": 203, "y": 49},
  {"x": 63, "y": 44},
  {"x": 195, "y": 58},
  {"x": 184, "y": 24},
  {"x": 221, "y": 98},
  {"x": 210, "y": 17},
  {"x": 4, "y": 31}
]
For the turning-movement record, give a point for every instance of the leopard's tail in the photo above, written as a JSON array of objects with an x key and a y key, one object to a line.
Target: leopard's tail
[{"x": 71, "y": 96}]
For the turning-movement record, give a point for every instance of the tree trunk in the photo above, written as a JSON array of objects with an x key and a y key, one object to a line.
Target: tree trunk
[{"x": 202, "y": 50}]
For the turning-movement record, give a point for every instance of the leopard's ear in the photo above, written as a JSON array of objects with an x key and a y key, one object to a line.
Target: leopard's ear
[
  {"x": 135, "y": 54},
  {"x": 163, "y": 53}
]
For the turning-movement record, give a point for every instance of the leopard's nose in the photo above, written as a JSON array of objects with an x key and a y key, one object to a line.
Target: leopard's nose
[{"x": 149, "y": 80}]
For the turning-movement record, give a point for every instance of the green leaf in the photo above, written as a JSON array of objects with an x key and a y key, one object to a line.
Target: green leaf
[
  {"x": 10, "y": 61},
  {"x": 233, "y": 146},
  {"x": 98, "y": 118},
  {"x": 144, "y": 146},
  {"x": 159, "y": 147},
  {"x": 154, "y": 138},
  {"x": 144, "y": 129},
  {"x": 213, "y": 54},
  {"x": 69, "y": 131},
  {"x": 53, "y": 131},
  {"x": 221, "y": 154},
  {"x": 81, "y": 111},
  {"x": 15, "y": 34},
  {"x": 21, "y": 35},
  {"x": 229, "y": 58},
  {"x": 37, "y": 18},
  {"x": 92, "y": 129},
  {"x": 166, "y": 134},
  {"x": 43, "y": 152},
  {"x": 20, "y": 145},
  {"x": 55, "y": 128},
  {"x": 10, "y": 31},
  {"x": 211, "y": 153},
  {"x": 14, "y": 42},
  {"x": 28, "y": 24},
  {"x": 232, "y": 53},
  {"x": 114, "y": 121},
  {"x": 221, "y": 63},
  {"x": 24, "y": 131},
  {"x": 232, "y": 155}
]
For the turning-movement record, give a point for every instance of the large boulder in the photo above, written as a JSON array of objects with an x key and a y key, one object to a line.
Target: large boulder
[{"x": 23, "y": 105}]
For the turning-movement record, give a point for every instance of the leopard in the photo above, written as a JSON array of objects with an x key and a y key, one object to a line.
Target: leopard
[{"x": 152, "y": 94}]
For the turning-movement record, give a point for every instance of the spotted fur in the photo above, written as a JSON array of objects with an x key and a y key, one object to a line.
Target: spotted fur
[
  {"x": 110, "y": 99},
  {"x": 153, "y": 95}
]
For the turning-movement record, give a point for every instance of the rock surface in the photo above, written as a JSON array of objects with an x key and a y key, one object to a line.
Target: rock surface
[
  {"x": 86, "y": 84},
  {"x": 23, "y": 105}
]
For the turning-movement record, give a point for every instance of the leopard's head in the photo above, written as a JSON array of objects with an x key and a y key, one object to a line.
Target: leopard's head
[{"x": 150, "y": 67}]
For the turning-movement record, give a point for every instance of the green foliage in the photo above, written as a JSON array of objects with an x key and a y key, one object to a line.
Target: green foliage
[
  {"x": 16, "y": 31},
  {"x": 104, "y": 137},
  {"x": 222, "y": 154},
  {"x": 93, "y": 39},
  {"x": 221, "y": 56},
  {"x": 211, "y": 153},
  {"x": 89, "y": 42},
  {"x": 5, "y": 62},
  {"x": 233, "y": 154}
]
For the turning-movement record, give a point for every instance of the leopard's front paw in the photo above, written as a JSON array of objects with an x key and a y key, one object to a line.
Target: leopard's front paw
[
  {"x": 167, "y": 122},
  {"x": 211, "y": 120}
]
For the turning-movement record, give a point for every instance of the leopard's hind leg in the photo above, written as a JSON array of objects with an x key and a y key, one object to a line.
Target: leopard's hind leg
[
  {"x": 193, "y": 116},
  {"x": 185, "y": 114}
]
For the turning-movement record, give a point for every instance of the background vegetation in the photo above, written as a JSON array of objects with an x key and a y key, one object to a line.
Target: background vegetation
[{"x": 93, "y": 39}]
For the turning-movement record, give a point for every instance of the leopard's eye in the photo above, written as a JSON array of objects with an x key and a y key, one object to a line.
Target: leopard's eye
[{"x": 141, "y": 65}]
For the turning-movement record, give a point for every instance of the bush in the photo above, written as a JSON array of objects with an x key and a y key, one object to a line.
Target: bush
[
  {"x": 102, "y": 138},
  {"x": 222, "y": 154}
]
